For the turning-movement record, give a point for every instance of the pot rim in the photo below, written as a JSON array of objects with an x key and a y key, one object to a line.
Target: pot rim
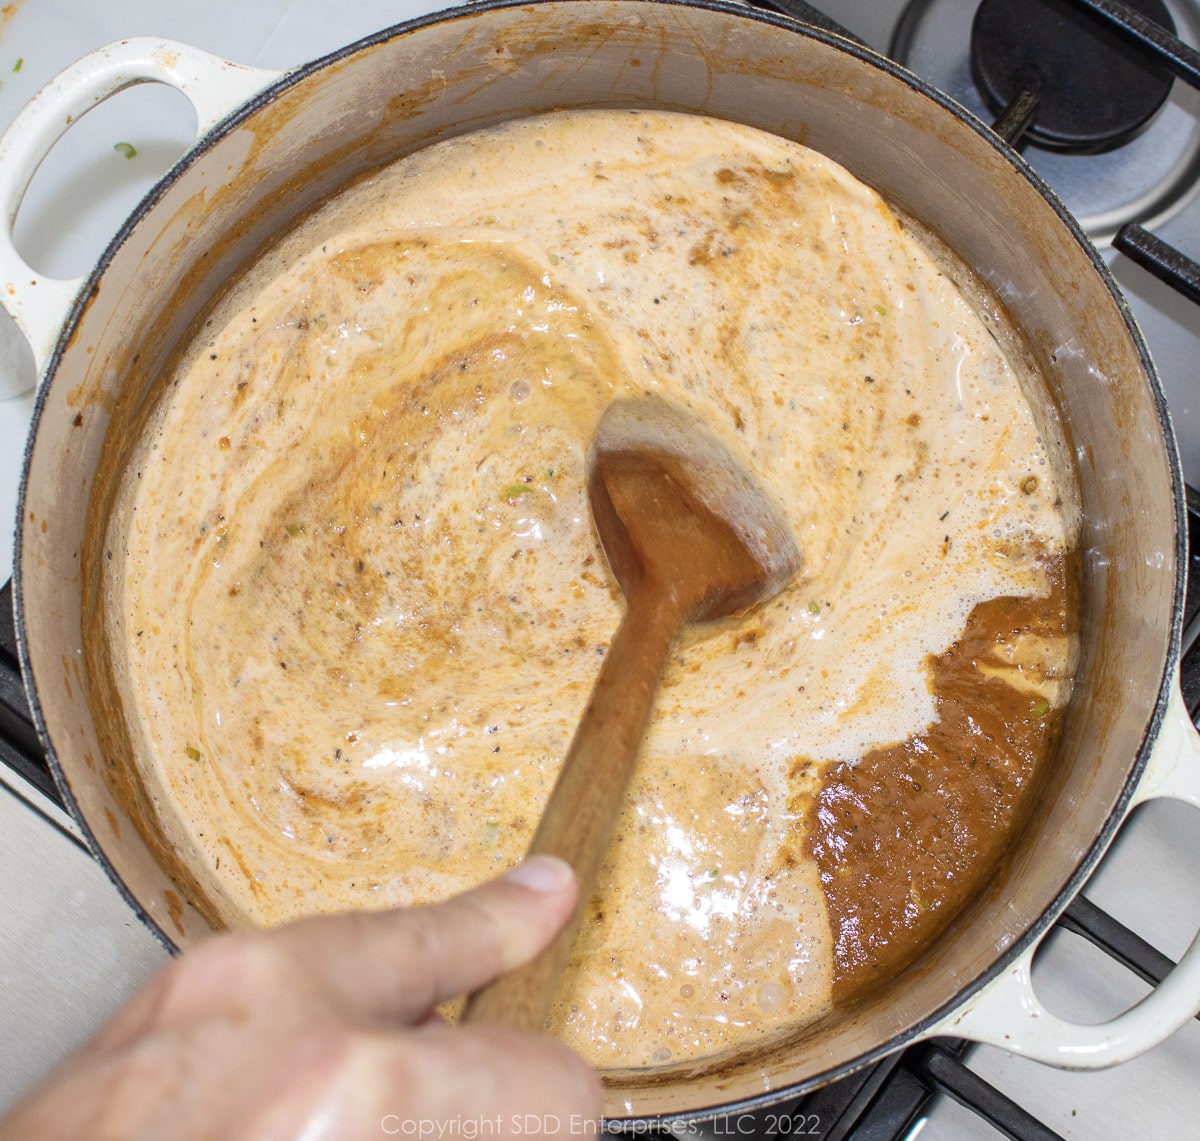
[{"x": 865, "y": 55}]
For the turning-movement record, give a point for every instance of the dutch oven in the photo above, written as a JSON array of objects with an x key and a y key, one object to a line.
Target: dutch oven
[{"x": 272, "y": 144}]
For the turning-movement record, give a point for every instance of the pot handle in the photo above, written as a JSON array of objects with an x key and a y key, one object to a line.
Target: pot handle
[
  {"x": 1007, "y": 1013},
  {"x": 38, "y": 304}
]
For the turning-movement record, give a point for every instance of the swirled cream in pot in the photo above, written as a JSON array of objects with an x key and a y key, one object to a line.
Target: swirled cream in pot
[{"x": 358, "y": 603}]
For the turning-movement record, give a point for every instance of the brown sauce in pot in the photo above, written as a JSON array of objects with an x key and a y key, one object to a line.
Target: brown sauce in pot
[{"x": 907, "y": 835}]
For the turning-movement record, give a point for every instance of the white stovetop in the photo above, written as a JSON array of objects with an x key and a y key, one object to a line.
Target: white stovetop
[{"x": 69, "y": 949}]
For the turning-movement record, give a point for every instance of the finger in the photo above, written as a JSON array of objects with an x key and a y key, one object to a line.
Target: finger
[
  {"x": 233, "y": 977},
  {"x": 397, "y": 965},
  {"x": 475, "y": 1081},
  {"x": 502, "y": 1074}
]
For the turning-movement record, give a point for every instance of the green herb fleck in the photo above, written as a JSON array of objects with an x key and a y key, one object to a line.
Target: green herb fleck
[
  {"x": 513, "y": 490},
  {"x": 491, "y": 833},
  {"x": 713, "y": 873},
  {"x": 551, "y": 472},
  {"x": 880, "y": 309},
  {"x": 19, "y": 64},
  {"x": 814, "y": 608},
  {"x": 295, "y": 530},
  {"x": 1041, "y": 707},
  {"x": 126, "y": 149},
  {"x": 192, "y": 752}
]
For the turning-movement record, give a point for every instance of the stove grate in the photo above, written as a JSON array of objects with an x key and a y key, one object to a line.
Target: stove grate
[
  {"x": 1158, "y": 43},
  {"x": 1167, "y": 263},
  {"x": 20, "y": 748}
]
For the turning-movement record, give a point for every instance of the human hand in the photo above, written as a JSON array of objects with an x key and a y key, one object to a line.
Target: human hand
[{"x": 325, "y": 1030}]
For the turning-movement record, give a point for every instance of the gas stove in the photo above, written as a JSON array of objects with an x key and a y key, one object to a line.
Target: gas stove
[{"x": 70, "y": 949}]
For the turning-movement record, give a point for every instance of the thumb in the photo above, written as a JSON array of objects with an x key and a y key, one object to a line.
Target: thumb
[{"x": 396, "y": 966}]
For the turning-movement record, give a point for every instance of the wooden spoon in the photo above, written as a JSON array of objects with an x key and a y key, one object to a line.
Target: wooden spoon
[{"x": 691, "y": 537}]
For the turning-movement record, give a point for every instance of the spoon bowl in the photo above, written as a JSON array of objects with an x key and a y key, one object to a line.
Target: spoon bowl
[{"x": 674, "y": 506}]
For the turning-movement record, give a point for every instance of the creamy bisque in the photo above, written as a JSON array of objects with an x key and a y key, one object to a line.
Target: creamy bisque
[{"x": 361, "y": 602}]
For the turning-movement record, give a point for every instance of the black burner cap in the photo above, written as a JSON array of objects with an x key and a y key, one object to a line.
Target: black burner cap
[{"x": 1095, "y": 91}]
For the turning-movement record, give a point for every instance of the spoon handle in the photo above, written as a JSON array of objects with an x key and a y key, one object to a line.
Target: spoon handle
[{"x": 587, "y": 797}]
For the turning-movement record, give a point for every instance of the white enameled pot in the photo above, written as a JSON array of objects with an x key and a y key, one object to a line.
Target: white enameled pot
[{"x": 272, "y": 144}]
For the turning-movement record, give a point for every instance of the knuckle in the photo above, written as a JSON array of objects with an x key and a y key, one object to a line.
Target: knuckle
[
  {"x": 424, "y": 941},
  {"x": 230, "y": 967},
  {"x": 487, "y": 928}
]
